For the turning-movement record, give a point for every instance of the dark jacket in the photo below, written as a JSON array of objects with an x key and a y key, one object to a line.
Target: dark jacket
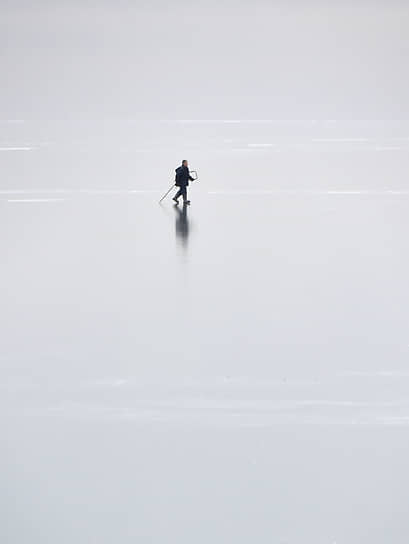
[{"x": 183, "y": 176}]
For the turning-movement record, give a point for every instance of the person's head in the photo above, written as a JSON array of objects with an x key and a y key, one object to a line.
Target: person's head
[{"x": 184, "y": 163}]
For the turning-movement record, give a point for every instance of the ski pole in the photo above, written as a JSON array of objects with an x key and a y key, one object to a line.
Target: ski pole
[{"x": 166, "y": 194}]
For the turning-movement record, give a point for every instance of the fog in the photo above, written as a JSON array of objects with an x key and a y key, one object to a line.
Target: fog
[{"x": 307, "y": 60}]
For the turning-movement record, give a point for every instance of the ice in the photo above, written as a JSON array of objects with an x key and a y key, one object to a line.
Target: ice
[{"x": 233, "y": 372}]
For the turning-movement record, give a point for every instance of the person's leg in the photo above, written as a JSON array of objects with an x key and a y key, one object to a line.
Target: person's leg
[
  {"x": 185, "y": 200},
  {"x": 178, "y": 194}
]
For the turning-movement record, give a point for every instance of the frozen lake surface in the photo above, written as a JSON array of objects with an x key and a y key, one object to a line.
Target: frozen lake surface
[{"x": 235, "y": 374}]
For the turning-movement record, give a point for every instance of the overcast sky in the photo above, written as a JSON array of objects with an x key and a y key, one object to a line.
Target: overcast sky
[{"x": 259, "y": 59}]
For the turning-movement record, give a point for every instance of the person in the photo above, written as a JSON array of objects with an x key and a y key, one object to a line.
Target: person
[{"x": 182, "y": 181}]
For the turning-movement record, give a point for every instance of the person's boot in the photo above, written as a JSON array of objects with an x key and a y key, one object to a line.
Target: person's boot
[
  {"x": 187, "y": 203},
  {"x": 175, "y": 200}
]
